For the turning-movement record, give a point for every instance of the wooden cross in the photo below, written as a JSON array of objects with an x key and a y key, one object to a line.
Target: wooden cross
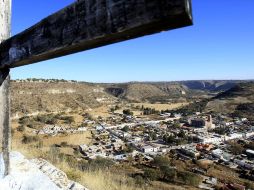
[{"x": 83, "y": 25}]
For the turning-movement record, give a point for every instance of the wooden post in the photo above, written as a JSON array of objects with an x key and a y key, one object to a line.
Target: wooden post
[{"x": 5, "y": 129}]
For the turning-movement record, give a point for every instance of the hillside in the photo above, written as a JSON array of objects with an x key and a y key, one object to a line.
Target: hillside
[
  {"x": 210, "y": 85},
  {"x": 34, "y": 95},
  {"x": 238, "y": 101},
  {"x": 29, "y": 97},
  {"x": 137, "y": 92},
  {"x": 168, "y": 91}
]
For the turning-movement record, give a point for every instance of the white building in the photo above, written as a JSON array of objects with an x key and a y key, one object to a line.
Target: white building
[
  {"x": 234, "y": 136},
  {"x": 148, "y": 148},
  {"x": 220, "y": 154}
]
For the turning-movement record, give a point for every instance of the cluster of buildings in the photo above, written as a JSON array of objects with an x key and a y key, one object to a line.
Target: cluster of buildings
[
  {"x": 195, "y": 139},
  {"x": 55, "y": 129},
  {"x": 147, "y": 136}
]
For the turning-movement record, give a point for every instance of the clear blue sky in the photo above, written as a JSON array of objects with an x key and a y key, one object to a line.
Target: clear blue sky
[{"x": 220, "y": 45}]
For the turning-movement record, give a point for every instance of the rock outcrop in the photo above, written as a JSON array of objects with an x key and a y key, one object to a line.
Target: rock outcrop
[{"x": 36, "y": 174}]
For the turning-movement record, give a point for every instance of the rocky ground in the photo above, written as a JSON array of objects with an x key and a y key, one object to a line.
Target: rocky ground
[{"x": 35, "y": 174}]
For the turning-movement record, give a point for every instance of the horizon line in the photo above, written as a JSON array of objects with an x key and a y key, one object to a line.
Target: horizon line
[{"x": 134, "y": 81}]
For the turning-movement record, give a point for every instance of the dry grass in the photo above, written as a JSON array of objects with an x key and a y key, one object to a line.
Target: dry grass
[
  {"x": 100, "y": 111},
  {"x": 72, "y": 139},
  {"x": 163, "y": 186},
  {"x": 78, "y": 119},
  {"x": 162, "y": 106},
  {"x": 93, "y": 180},
  {"x": 226, "y": 174},
  {"x": 107, "y": 181}
]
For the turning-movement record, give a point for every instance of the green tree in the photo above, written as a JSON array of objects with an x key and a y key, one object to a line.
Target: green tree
[
  {"x": 151, "y": 174},
  {"x": 181, "y": 134},
  {"x": 161, "y": 161},
  {"x": 125, "y": 129},
  {"x": 153, "y": 135},
  {"x": 26, "y": 139},
  {"x": 236, "y": 148},
  {"x": 127, "y": 112},
  {"x": 168, "y": 173},
  {"x": 189, "y": 178}
]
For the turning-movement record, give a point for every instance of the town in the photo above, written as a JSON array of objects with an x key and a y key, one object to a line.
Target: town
[{"x": 200, "y": 137}]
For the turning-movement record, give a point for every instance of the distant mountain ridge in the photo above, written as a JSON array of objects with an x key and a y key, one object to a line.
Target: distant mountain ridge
[
  {"x": 238, "y": 101},
  {"x": 211, "y": 85},
  {"x": 150, "y": 90},
  {"x": 38, "y": 95}
]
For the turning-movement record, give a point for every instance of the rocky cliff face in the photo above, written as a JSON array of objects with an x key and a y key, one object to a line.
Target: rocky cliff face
[
  {"x": 36, "y": 174},
  {"x": 29, "y": 97}
]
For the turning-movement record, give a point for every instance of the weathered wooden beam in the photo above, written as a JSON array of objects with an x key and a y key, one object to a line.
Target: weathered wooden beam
[
  {"x": 5, "y": 129},
  {"x": 88, "y": 24}
]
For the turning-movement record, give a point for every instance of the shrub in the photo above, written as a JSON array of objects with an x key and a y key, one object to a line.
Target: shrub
[
  {"x": 12, "y": 132},
  {"x": 139, "y": 180},
  {"x": 125, "y": 129},
  {"x": 188, "y": 178},
  {"x": 29, "y": 139},
  {"x": 40, "y": 144},
  {"x": 151, "y": 174},
  {"x": 128, "y": 149},
  {"x": 73, "y": 175},
  {"x": 161, "y": 161},
  {"x": 99, "y": 163},
  {"x": 64, "y": 144},
  {"x": 21, "y": 128},
  {"x": 236, "y": 148},
  {"x": 68, "y": 119},
  {"x": 127, "y": 112},
  {"x": 53, "y": 154},
  {"x": 249, "y": 185},
  {"x": 168, "y": 173},
  {"x": 31, "y": 126},
  {"x": 23, "y": 120},
  {"x": 47, "y": 119}
]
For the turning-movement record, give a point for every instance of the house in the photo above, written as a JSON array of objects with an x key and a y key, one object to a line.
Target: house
[
  {"x": 220, "y": 154},
  {"x": 211, "y": 181},
  {"x": 99, "y": 128},
  {"x": 210, "y": 139},
  {"x": 82, "y": 129},
  {"x": 234, "y": 136},
  {"x": 204, "y": 147},
  {"x": 126, "y": 135},
  {"x": 250, "y": 153},
  {"x": 148, "y": 148},
  {"x": 120, "y": 157},
  {"x": 136, "y": 139},
  {"x": 190, "y": 151}
]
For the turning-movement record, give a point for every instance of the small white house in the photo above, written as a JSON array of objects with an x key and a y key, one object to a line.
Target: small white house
[{"x": 148, "y": 148}]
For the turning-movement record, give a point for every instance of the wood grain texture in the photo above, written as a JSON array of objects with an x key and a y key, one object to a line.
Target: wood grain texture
[
  {"x": 88, "y": 24},
  {"x": 5, "y": 129}
]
